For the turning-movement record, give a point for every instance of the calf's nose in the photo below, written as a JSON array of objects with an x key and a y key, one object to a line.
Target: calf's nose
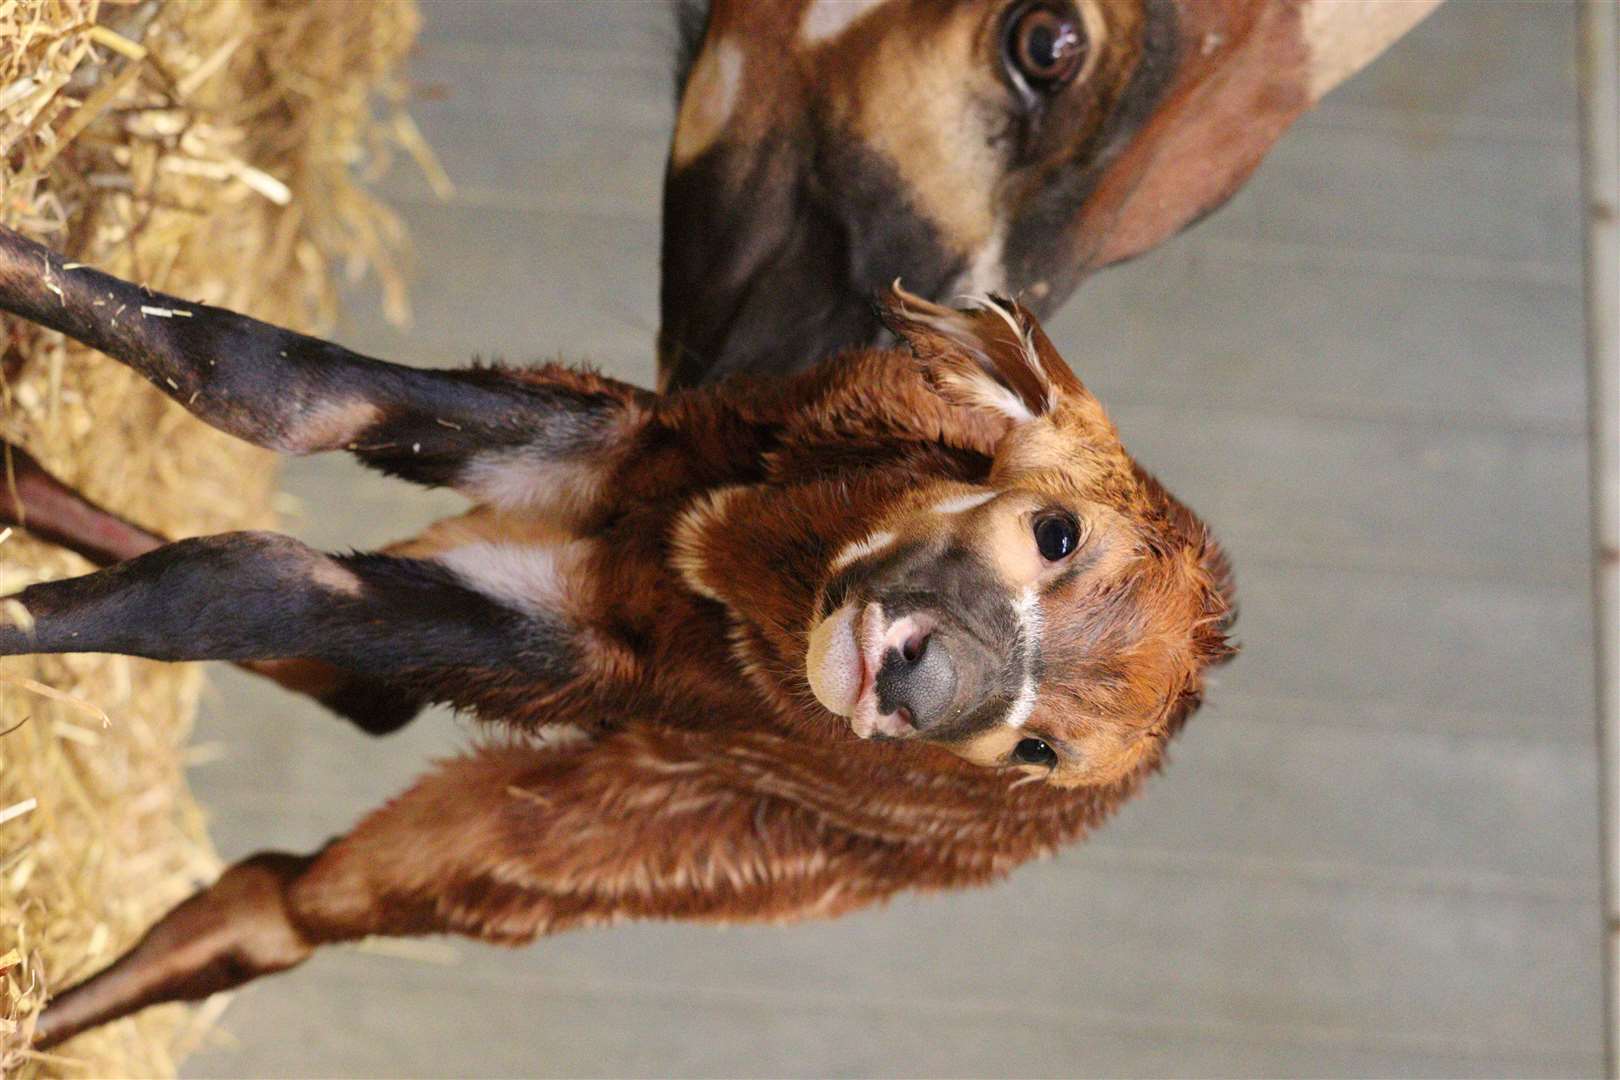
[{"x": 918, "y": 676}]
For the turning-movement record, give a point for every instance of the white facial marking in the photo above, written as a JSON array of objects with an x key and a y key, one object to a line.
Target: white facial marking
[
  {"x": 860, "y": 549},
  {"x": 1343, "y": 36},
  {"x": 826, "y": 19},
  {"x": 710, "y": 97},
  {"x": 1023, "y": 705},
  {"x": 728, "y": 58},
  {"x": 528, "y": 577},
  {"x": 958, "y": 504},
  {"x": 1029, "y": 622},
  {"x": 987, "y": 274}
]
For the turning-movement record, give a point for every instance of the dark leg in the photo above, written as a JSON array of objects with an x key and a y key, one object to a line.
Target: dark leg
[
  {"x": 32, "y": 498},
  {"x": 260, "y": 596},
  {"x": 298, "y": 394}
]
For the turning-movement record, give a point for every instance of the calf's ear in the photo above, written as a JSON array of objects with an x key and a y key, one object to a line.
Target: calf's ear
[
  {"x": 993, "y": 355},
  {"x": 980, "y": 357}
]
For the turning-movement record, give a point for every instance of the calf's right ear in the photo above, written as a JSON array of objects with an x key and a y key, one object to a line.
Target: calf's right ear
[
  {"x": 995, "y": 357},
  {"x": 983, "y": 357}
]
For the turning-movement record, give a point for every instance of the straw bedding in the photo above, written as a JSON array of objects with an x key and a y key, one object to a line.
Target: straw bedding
[{"x": 211, "y": 150}]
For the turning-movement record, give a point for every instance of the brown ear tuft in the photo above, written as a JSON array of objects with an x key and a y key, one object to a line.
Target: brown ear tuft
[{"x": 990, "y": 356}]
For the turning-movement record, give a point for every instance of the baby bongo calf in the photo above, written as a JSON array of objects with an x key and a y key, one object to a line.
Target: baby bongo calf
[{"x": 762, "y": 651}]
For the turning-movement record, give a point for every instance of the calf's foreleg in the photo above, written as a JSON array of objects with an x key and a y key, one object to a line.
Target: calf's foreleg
[
  {"x": 30, "y": 497},
  {"x": 261, "y": 596},
  {"x": 468, "y": 429}
]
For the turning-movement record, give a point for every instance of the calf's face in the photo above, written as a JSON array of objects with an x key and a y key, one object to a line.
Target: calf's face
[{"x": 1056, "y": 619}]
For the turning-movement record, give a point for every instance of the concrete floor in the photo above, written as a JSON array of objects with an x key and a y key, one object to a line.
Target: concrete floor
[{"x": 1375, "y": 851}]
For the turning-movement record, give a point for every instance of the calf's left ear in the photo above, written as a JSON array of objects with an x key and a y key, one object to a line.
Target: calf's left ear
[{"x": 993, "y": 356}]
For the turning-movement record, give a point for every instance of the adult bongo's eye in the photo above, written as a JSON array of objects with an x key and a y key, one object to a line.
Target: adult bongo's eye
[
  {"x": 1045, "y": 45},
  {"x": 1057, "y": 535},
  {"x": 1034, "y": 752}
]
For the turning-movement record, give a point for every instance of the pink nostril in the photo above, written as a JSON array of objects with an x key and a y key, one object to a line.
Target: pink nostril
[
  {"x": 907, "y": 638},
  {"x": 912, "y": 648}
]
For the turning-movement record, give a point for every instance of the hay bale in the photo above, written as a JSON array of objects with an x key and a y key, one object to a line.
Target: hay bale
[{"x": 210, "y": 150}]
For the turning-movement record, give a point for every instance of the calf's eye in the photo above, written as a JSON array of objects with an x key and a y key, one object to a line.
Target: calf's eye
[
  {"x": 1034, "y": 752},
  {"x": 1057, "y": 535}
]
